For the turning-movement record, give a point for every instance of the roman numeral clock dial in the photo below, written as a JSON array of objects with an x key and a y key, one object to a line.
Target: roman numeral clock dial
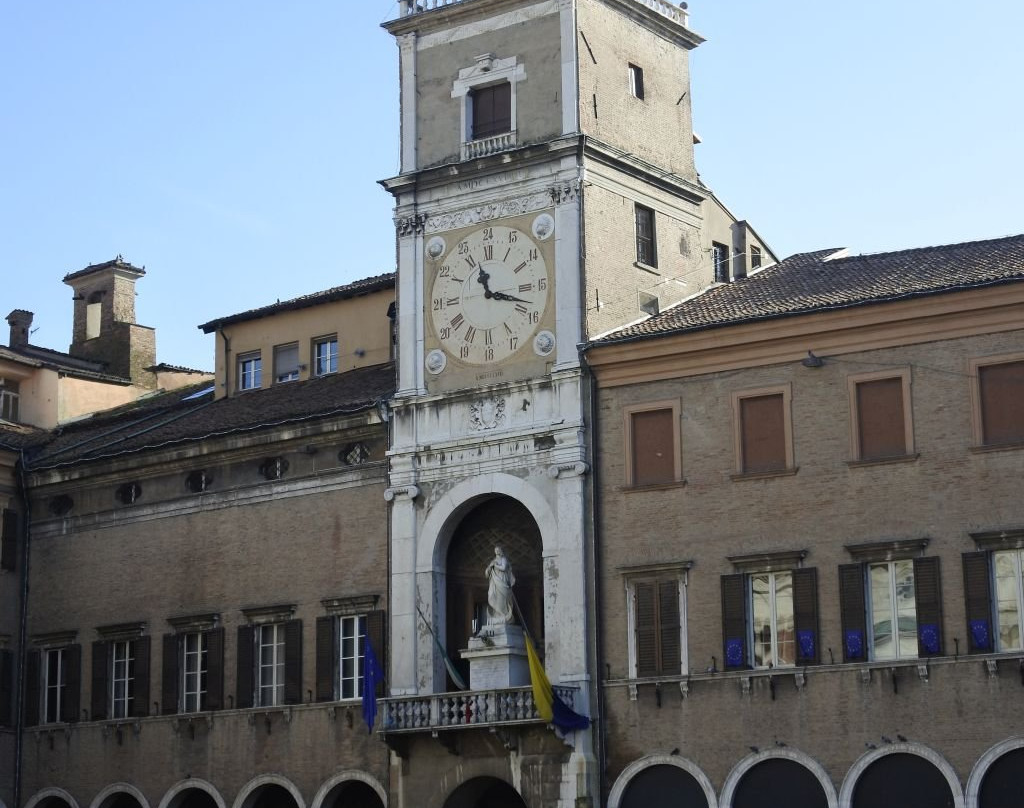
[{"x": 489, "y": 295}]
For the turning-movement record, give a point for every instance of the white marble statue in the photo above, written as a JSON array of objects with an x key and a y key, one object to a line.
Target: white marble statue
[{"x": 500, "y": 580}]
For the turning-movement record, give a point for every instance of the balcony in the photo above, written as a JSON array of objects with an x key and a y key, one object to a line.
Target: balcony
[
  {"x": 488, "y": 145},
  {"x": 476, "y": 708}
]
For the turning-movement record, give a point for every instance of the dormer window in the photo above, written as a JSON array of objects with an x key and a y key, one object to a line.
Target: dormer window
[
  {"x": 487, "y": 91},
  {"x": 250, "y": 371},
  {"x": 9, "y": 400},
  {"x": 286, "y": 363}
]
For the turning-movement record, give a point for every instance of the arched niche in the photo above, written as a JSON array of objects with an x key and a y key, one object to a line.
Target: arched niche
[{"x": 485, "y": 792}]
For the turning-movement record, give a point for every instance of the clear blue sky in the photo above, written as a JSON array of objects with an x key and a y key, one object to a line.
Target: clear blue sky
[{"x": 233, "y": 146}]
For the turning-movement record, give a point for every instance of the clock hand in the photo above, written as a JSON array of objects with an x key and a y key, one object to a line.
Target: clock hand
[
  {"x": 483, "y": 277},
  {"x": 510, "y": 298}
]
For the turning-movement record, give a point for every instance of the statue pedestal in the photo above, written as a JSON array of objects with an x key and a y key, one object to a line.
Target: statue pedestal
[{"x": 497, "y": 658}]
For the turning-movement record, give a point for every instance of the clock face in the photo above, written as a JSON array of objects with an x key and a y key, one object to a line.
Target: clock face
[{"x": 489, "y": 295}]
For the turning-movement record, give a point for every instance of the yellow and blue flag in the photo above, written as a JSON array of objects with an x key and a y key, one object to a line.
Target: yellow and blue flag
[{"x": 551, "y": 708}]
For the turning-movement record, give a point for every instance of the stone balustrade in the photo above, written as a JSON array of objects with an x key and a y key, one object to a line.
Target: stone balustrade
[
  {"x": 471, "y": 708},
  {"x": 676, "y": 13},
  {"x": 489, "y": 145}
]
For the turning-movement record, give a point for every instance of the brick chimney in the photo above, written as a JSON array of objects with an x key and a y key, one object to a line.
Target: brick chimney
[{"x": 21, "y": 323}]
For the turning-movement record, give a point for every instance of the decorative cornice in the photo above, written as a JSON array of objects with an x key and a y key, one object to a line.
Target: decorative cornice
[
  {"x": 565, "y": 192},
  {"x": 411, "y": 225},
  {"x": 492, "y": 210}
]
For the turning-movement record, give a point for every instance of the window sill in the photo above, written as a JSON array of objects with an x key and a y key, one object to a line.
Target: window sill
[
  {"x": 996, "y": 447},
  {"x": 762, "y": 475},
  {"x": 632, "y": 489},
  {"x": 883, "y": 461},
  {"x": 647, "y": 268}
]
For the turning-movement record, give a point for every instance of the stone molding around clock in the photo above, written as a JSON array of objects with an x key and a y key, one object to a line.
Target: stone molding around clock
[
  {"x": 484, "y": 213},
  {"x": 487, "y": 413}
]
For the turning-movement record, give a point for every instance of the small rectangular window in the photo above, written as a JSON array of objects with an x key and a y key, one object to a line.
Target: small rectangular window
[
  {"x": 286, "y": 363},
  {"x": 763, "y": 431},
  {"x": 492, "y": 110},
  {"x": 755, "y": 257},
  {"x": 999, "y": 402},
  {"x": 250, "y": 371},
  {"x": 9, "y": 400},
  {"x": 122, "y": 679},
  {"x": 720, "y": 256},
  {"x": 636, "y": 81},
  {"x": 54, "y": 686},
  {"x": 351, "y": 640},
  {"x": 270, "y": 665},
  {"x": 652, "y": 443},
  {"x": 325, "y": 356},
  {"x": 195, "y": 648},
  {"x": 880, "y": 404},
  {"x": 646, "y": 244}
]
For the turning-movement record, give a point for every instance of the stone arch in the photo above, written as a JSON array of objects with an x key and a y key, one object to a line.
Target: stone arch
[
  {"x": 341, "y": 779},
  {"x": 103, "y": 799},
  {"x": 732, "y": 782},
  {"x": 447, "y": 512},
  {"x": 247, "y": 795},
  {"x": 485, "y": 792},
  {"x": 51, "y": 798},
  {"x": 984, "y": 763},
  {"x": 866, "y": 760},
  {"x": 177, "y": 794},
  {"x": 637, "y": 766}
]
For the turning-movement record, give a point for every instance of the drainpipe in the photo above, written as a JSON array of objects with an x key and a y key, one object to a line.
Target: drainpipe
[{"x": 21, "y": 686}]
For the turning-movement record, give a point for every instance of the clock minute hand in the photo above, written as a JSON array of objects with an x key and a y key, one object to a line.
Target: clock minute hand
[
  {"x": 482, "y": 278},
  {"x": 503, "y": 296}
]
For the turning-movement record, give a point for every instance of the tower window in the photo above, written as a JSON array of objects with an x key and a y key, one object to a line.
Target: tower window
[
  {"x": 720, "y": 254},
  {"x": 646, "y": 246},
  {"x": 492, "y": 110},
  {"x": 636, "y": 81},
  {"x": 755, "y": 257}
]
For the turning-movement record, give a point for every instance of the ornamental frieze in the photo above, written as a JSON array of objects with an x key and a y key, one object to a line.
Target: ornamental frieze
[{"x": 484, "y": 213}]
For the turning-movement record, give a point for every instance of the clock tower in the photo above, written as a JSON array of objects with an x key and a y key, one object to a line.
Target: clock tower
[{"x": 547, "y": 194}]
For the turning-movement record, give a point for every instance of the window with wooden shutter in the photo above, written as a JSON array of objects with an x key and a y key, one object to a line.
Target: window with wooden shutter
[
  {"x": 100, "y": 682},
  {"x": 245, "y": 667},
  {"x": 71, "y": 707},
  {"x": 652, "y": 438},
  {"x": 928, "y": 597},
  {"x": 33, "y": 687},
  {"x": 657, "y": 627},
  {"x": 140, "y": 701},
  {"x": 376, "y": 629},
  {"x": 763, "y": 431},
  {"x": 1001, "y": 397},
  {"x": 326, "y": 657},
  {"x": 978, "y": 602},
  {"x": 6, "y": 687},
  {"x": 805, "y": 615},
  {"x": 852, "y": 613},
  {"x": 213, "y": 699},
  {"x": 734, "y": 621},
  {"x": 881, "y": 416},
  {"x": 293, "y": 662},
  {"x": 9, "y": 540},
  {"x": 492, "y": 110},
  {"x": 170, "y": 672}
]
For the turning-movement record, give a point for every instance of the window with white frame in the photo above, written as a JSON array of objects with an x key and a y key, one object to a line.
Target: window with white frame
[
  {"x": 773, "y": 637},
  {"x": 9, "y": 400},
  {"x": 250, "y": 371},
  {"x": 656, "y": 620},
  {"x": 351, "y": 648},
  {"x": 55, "y": 683},
  {"x": 487, "y": 93},
  {"x": 1009, "y": 598},
  {"x": 270, "y": 670},
  {"x": 195, "y": 647},
  {"x": 325, "y": 355},
  {"x": 122, "y": 678},
  {"x": 286, "y": 362},
  {"x": 893, "y": 610}
]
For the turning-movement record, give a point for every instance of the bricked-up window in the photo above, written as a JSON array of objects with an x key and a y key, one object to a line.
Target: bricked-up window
[
  {"x": 270, "y": 664},
  {"x": 53, "y": 685},
  {"x": 646, "y": 245},
  {"x": 120, "y": 678},
  {"x": 193, "y": 671},
  {"x": 340, "y": 651},
  {"x": 881, "y": 409},
  {"x": 9, "y": 540},
  {"x": 720, "y": 256},
  {"x": 763, "y": 431},
  {"x": 891, "y": 609},
  {"x": 999, "y": 402},
  {"x": 656, "y": 627},
  {"x": 652, "y": 447},
  {"x": 636, "y": 81},
  {"x": 492, "y": 110}
]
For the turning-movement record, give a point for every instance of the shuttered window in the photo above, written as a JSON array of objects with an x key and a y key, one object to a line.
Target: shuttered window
[
  {"x": 763, "y": 433},
  {"x": 54, "y": 685},
  {"x": 6, "y": 687},
  {"x": 120, "y": 678},
  {"x": 193, "y": 671},
  {"x": 1001, "y": 393},
  {"x": 653, "y": 447},
  {"x": 657, "y": 627},
  {"x": 880, "y": 423},
  {"x": 492, "y": 110},
  {"x": 978, "y": 602},
  {"x": 270, "y": 664},
  {"x": 9, "y": 540}
]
